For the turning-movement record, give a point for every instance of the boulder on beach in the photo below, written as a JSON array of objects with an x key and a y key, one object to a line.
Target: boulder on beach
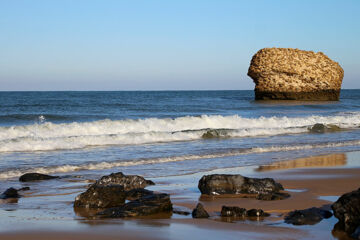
[
  {"x": 227, "y": 211},
  {"x": 308, "y": 216},
  {"x": 127, "y": 181},
  {"x": 200, "y": 212},
  {"x": 30, "y": 177},
  {"x": 10, "y": 193},
  {"x": 293, "y": 74},
  {"x": 154, "y": 203},
  {"x": 98, "y": 196},
  {"x": 217, "y": 184},
  {"x": 347, "y": 210}
]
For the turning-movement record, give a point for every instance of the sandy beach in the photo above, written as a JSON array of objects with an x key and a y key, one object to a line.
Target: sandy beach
[{"x": 312, "y": 182}]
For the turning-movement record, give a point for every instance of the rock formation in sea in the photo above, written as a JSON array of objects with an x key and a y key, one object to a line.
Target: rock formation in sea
[{"x": 293, "y": 74}]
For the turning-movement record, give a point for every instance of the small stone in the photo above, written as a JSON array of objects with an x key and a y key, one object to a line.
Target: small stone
[
  {"x": 10, "y": 193},
  {"x": 257, "y": 213},
  {"x": 233, "y": 211},
  {"x": 199, "y": 212}
]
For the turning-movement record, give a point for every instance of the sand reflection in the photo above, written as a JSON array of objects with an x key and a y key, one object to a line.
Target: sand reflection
[{"x": 331, "y": 160}]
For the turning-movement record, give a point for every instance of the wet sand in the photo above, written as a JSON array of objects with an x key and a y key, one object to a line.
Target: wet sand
[{"x": 312, "y": 182}]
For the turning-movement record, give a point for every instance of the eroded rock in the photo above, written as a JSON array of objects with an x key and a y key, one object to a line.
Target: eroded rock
[
  {"x": 217, "y": 184},
  {"x": 200, "y": 212},
  {"x": 347, "y": 210},
  {"x": 293, "y": 74},
  {"x": 308, "y": 216},
  {"x": 29, "y": 177}
]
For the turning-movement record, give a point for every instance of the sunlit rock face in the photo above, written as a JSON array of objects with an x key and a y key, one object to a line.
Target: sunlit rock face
[{"x": 293, "y": 74}]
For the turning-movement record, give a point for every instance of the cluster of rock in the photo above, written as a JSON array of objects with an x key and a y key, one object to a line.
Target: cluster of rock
[
  {"x": 110, "y": 193},
  {"x": 119, "y": 196},
  {"x": 293, "y": 74}
]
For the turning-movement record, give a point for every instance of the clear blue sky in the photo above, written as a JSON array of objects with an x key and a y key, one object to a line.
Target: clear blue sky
[{"x": 164, "y": 45}]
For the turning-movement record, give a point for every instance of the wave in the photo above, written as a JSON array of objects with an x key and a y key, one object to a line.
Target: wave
[
  {"x": 49, "y": 136},
  {"x": 133, "y": 162}
]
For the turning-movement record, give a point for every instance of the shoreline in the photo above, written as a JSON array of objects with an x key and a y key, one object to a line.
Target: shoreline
[{"x": 312, "y": 182}]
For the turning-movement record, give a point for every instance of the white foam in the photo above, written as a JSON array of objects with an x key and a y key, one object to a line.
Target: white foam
[
  {"x": 49, "y": 136},
  {"x": 134, "y": 162}
]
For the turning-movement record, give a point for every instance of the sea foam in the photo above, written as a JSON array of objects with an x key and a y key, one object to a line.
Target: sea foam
[{"x": 49, "y": 136}]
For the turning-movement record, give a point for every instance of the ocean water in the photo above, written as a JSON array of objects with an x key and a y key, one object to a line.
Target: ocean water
[{"x": 163, "y": 133}]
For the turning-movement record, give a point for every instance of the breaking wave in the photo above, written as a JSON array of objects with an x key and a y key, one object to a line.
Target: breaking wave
[{"x": 49, "y": 136}]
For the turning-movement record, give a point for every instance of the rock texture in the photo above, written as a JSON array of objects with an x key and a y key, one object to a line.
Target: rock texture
[
  {"x": 293, "y": 74},
  {"x": 98, "y": 196},
  {"x": 29, "y": 177},
  {"x": 127, "y": 181},
  {"x": 217, "y": 184},
  {"x": 308, "y": 216},
  {"x": 347, "y": 210}
]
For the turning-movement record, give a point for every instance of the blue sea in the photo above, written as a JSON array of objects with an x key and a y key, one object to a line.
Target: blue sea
[{"x": 163, "y": 133}]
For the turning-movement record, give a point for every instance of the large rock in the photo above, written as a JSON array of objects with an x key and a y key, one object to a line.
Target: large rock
[
  {"x": 29, "y": 177},
  {"x": 347, "y": 210},
  {"x": 147, "y": 205},
  {"x": 127, "y": 181},
  {"x": 217, "y": 184},
  {"x": 293, "y": 74},
  {"x": 308, "y": 216},
  {"x": 199, "y": 212},
  {"x": 99, "y": 196}
]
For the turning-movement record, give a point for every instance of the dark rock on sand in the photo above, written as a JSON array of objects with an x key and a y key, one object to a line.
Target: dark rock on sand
[
  {"x": 321, "y": 128},
  {"x": 10, "y": 193},
  {"x": 256, "y": 213},
  {"x": 200, "y": 212},
  {"x": 308, "y": 216},
  {"x": 236, "y": 184},
  {"x": 98, "y": 196},
  {"x": 29, "y": 177},
  {"x": 273, "y": 196},
  {"x": 148, "y": 205},
  {"x": 233, "y": 211},
  {"x": 347, "y": 210},
  {"x": 127, "y": 181}
]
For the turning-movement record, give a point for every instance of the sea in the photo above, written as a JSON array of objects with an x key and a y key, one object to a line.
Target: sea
[{"x": 165, "y": 133}]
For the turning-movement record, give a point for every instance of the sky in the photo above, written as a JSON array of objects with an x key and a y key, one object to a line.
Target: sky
[{"x": 165, "y": 44}]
